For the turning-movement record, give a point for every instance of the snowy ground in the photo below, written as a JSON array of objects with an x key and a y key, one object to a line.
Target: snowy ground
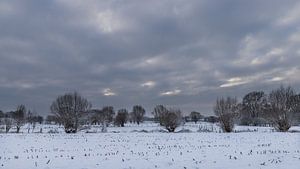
[{"x": 146, "y": 147}]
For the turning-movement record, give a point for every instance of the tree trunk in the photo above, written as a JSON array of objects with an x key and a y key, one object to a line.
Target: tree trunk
[
  {"x": 171, "y": 129},
  {"x": 18, "y": 129}
]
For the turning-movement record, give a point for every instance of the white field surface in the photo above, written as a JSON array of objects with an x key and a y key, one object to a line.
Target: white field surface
[{"x": 145, "y": 147}]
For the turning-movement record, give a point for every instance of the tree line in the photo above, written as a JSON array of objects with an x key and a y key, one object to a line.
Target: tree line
[
  {"x": 280, "y": 108},
  {"x": 72, "y": 110},
  {"x": 18, "y": 118}
]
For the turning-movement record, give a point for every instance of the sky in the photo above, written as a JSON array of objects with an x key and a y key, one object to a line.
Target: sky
[{"x": 180, "y": 53}]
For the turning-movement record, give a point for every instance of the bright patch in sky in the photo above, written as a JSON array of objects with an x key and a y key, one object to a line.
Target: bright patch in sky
[
  {"x": 108, "y": 92},
  {"x": 148, "y": 84},
  {"x": 171, "y": 93}
]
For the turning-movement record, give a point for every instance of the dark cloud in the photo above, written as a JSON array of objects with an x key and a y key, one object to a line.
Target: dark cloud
[{"x": 173, "y": 52}]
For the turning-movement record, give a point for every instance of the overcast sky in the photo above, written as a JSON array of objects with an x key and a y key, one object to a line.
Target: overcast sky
[{"x": 180, "y": 53}]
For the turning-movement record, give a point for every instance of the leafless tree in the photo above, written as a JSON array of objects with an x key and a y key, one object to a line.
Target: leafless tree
[
  {"x": 8, "y": 121},
  {"x": 195, "y": 116},
  {"x": 252, "y": 108},
  {"x": 137, "y": 114},
  {"x": 19, "y": 117},
  {"x": 295, "y": 101},
  {"x": 96, "y": 116},
  {"x": 39, "y": 119},
  {"x": 31, "y": 120},
  {"x": 226, "y": 110},
  {"x": 104, "y": 116},
  {"x": 159, "y": 112},
  {"x": 108, "y": 114},
  {"x": 281, "y": 108},
  {"x": 172, "y": 119},
  {"x": 121, "y": 117},
  {"x": 2, "y": 114},
  {"x": 169, "y": 118},
  {"x": 69, "y": 109}
]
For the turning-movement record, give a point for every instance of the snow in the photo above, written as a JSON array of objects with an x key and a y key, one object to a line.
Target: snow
[{"x": 145, "y": 147}]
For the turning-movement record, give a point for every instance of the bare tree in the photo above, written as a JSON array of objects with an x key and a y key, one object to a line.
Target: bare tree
[
  {"x": 121, "y": 117},
  {"x": 172, "y": 119},
  {"x": 39, "y": 119},
  {"x": 96, "y": 116},
  {"x": 252, "y": 108},
  {"x": 69, "y": 109},
  {"x": 19, "y": 117},
  {"x": 295, "y": 101},
  {"x": 281, "y": 108},
  {"x": 137, "y": 114},
  {"x": 226, "y": 110},
  {"x": 195, "y": 116},
  {"x": 159, "y": 112},
  {"x": 2, "y": 114},
  {"x": 31, "y": 120},
  {"x": 104, "y": 116},
  {"x": 108, "y": 114},
  {"x": 8, "y": 121},
  {"x": 169, "y": 118}
]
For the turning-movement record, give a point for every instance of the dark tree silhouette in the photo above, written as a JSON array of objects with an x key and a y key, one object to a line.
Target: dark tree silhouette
[
  {"x": 104, "y": 116},
  {"x": 137, "y": 114},
  {"x": 2, "y": 114},
  {"x": 108, "y": 114},
  {"x": 195, "y": 116},
  {"x": 281, "y": 107},
  {"x": 69, "y": 110},
  {"x": 226, "y": 110},
  {"x": 19, "y": 117},
  {"x": 295, "y": 101},
  {"x": 252, "y": 108},
  {"x": 121, "y": 117},
  {"x": 159, "y": 112},
  {"x": 8, "y": 121},
  {"x": 169, "y": 118}
]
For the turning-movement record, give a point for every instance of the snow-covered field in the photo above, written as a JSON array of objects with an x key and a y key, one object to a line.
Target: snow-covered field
[{"x": 145, "y": 147}]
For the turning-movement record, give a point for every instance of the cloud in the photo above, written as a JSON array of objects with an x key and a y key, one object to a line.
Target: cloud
[
  {"x": 234, "y": 82},
  {"x": 275, "y": 53},
  {"x": 171, "y": 93},
  {"x": 142, "y": 51},
  {"x": 148, "y": 84},
  {"x": 6, "y": 8},
  {"x": 275, "y": 79},
  {"x": 108, "y": 92},
  {"x": 108, "y": 22},
  {"x": 291, "y": 17}
]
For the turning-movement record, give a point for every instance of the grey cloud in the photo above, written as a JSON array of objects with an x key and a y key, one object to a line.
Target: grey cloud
[{"x": 142, "y": 52}]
